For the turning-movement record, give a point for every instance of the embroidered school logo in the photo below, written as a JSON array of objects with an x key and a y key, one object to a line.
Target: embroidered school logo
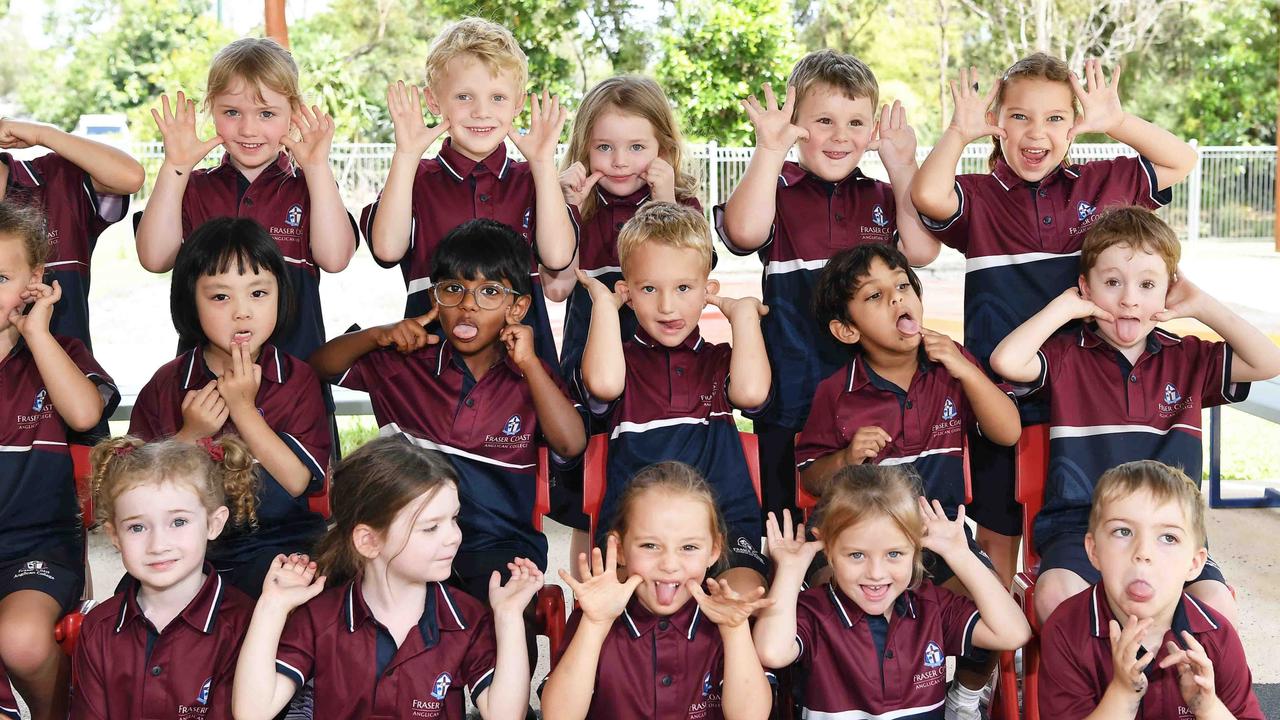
[
  {"x": 877, "y": 217},
  {"x": 1084, "y": 210},
  {"x": 933, "y": 656},
  {"x": 528, "y": 217},
  {"x": 37, "y": 568},
  {"x": 442, "y": 686},
  {"x": 706, "y": 685},
  {"x": 1171, "y": 396},
  {"x": 513, "y": 425},
  {"x": 294, "y": 218},
  {"x": 35, "y": 565},
  {"x": 203, "y": 697},
  {"x": 949, "y": 410},
  {"x": 38, "y": 405}
]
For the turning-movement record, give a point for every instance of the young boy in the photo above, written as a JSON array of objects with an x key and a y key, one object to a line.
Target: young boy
[
  {"x": 1136, "y": 645},
  {"x": 483, "y": 398},
  {"x": 797, "y": 215},
  {"x": 910, "y": 395},
  {"x": 476, "y": 74},
  {"x": 667, "y": 394},
  {"x": 1121, "y": 389}
]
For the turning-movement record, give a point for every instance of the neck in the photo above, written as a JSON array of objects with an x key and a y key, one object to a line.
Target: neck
[
  {"x": 252, "y": 174},
  {"x": 896, "y": 367},
  {"x": 481, "y": 362},
  {"x": 8, "y": 339},
  {"x": 162, "y": 605},
  {"x": 388, "y": 594},
  {"x": 218, "y": 360}
]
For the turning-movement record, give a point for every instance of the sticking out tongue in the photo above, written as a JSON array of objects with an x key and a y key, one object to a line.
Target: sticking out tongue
[
  {"x": 666, "y": 592},
  {"x": 465, "y": 331},
  {"x": 1127, "y": 329},
  {"x": 241, "y": 338},
  {"x": 907, "y": 326},
  {"x": 1139, "y": 591}
]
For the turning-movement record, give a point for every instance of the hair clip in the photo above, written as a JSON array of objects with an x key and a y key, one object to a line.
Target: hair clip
[
  {"x": 122, "y": 450},
  {"x": 214, "y": 450}
]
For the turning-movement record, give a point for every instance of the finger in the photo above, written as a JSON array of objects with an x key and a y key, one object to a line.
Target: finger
[
  {"x": 771, "y": 529},
  {"x": 883, "y": 436},
  {"x": 584, "y": 567},
  {"x": 715, "y": 300},
  {"x": 597, "y": 563},
  {"x": 569, "y": 580},
  {"x": 770, "y": 100},
  {"x": 995, "y": 90},
  {"x": 495, "y": 582},
  {"x": 1115, "y": 76},
  {"x": 591, "y": 181},
  {"x": 898, "y": 117},
  {"x": 611, "y": 556},
  {"x": 790, "y": 103},
  {"x": 960, "y": 513}
]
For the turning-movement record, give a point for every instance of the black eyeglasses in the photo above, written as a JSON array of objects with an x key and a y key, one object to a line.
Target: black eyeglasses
[{"x": 489, "y": 296}]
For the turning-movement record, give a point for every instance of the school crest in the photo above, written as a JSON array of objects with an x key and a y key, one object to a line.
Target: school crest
[
  {"x": 1084, "y": 210},
  {"x": 441, "y": 688},
  {"x": 294, "y": 216},
  {"x": 203, "y": 697},
  {"x": 1171, "y": 396},
  {"x": 949, "y": 410},
  {"x": 706, "y": 684},
  {"x": 512, "y": 427},
  {"x": 933, "y": 656},
  {"x": 528, "y": 217},
  {"x": 41, "y": 397},
  {"x": 877, "y": 217}
]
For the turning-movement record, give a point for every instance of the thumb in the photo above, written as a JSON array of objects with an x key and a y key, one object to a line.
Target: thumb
[
  {"x": 801, "y": 133},
  {"x": 212, "y": 143},
  {"x": 591, "y": 180},
  {"x": 428, "y": 317},
  {"x": 495, "y": 581}
]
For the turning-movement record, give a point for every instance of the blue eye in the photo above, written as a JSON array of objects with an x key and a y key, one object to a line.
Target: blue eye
[
  {"x": 895, "y": 554},
  {"x": 180, "y": 522},
  {"x": 135, "y": 528},
  {"x": 856, "y": 555}
]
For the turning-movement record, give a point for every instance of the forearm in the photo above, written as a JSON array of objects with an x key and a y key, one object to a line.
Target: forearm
[
  {"x": 1172, "y": 157},
  {"x": 816, "y": 474},
  {"x": 745, "y": 692},
  {"x": 917, "y": 243},
  {"x": 749, "y": 372},
  {"x": 271, "y": 452},
  {"x": 338, "y": 355},
  {"x": 389, "y": 235},
  {"x": 114, "y": 172},
  {"x": 557, "y": 285},
  {"x": 933, "y": 187},
  {"x": 159, "y": 233},
  {"x": 74, "y": 396},
  {"x": 1255, "y": 357},
  {"x": 750, "y": 210},
  {"x": 333, "y": 241},
  {"x": 567, "y": 694},
  {"x": 1116, "y": 704},
  {"x": 256, "y": 678},
  {"x": 604, "y": 369},
  {"x": 553, "y": 233},
  {"x": 1003, "y": 625},
  {"x": 994, "y": 410},
  {"x": 507, "y": 697},
  {"x": 1014, "y": 359},
  {"x": 560, "y": 423},
  {"x": 774, "y": 634}
]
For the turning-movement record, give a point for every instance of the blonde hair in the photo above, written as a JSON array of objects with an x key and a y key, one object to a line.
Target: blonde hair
[
  {"x": 669, "y": 224},
  {"x": 1165, "y": 483},
  {"x": 124, "y": 463},
  {"x": 487, "y": 42},
  {"x": 843, "y": 72},
  {"x": 862, "y": 492},
  {"x": 25, "y": 224},
  {"x": 1136, "y": 227},
  {"x": 629, "y": 95},
  {"x": 675, "y": 479},
  {"x": 1037, "y": 66},
  {"x": 259, "y": 62}
]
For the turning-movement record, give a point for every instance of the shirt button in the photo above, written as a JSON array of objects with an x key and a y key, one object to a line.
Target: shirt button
[
  {"x": 1047, "y": 220},
  {"x": 470, "y": 402},
  {"x": 663, "y": 624},
  {"x": 909, "y": 404},
  {"x": 155, "y": 670},
  {"x": 839, "y": 217},
  {"x": 679, "y": 371},
  {"x": 1133, "y": 378},
  {"x": 484, "y": 197},
  {"x": 248, "y": 201},
  {"x": 1043, "y": 193},
  {"x": 666, "y": 681},
  {"x": 888, "y": 654}
]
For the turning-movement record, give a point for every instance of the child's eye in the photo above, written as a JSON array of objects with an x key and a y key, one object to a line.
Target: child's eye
[
  {"x": 684, "y": 288},
  {"x": 231, "y": 113},
  {"x": 1169, "y": 539},
  {"x": 856, "y": 555},
  {"x": 1123, "y": 532},
  {"x": 266, "y": 114},
  {"x": 604, "y": 147},
  {"x": 180, "y": 522},
  {"x": 463, "y": 97},
  {"x": 453, "y": 288},
  {"x": 855, "y": 123},
  {"x": 261, "y": 293},
  {"x": 219, "y": 297},
  {"x": 135, "y": 528},
  {"x": 895, "y": 554},
  {"x": 1148, "y": 285},
  {"x": 431, "y": 529},
  {"x": 902, "y": 287},
  {"x": 691, "y": 547},
  {"x": 1056, "y": 118},
  {"x": 1112, "y": 282},
  {"x": 637, "y": 147},
  {"x": 873, "y": 297},
  {"x": 490, "y": 290},
  {"x": 648, "y": 289},
  {"x": 648, "y": 546},
  {"x": 823, "y": 121},
  {"x": 499, "y": 98}
]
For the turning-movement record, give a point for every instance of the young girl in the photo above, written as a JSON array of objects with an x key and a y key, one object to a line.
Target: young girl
[
  {"x": 1021, "y": 226},
  {"x": 49, "y": 387},
  {"x": 256, "y": 105},
  {"x": 387, "y": 638},
  {"x": 166, "y": 645},
  {"x": 667, "y": 533},
  {"x": 875, "y": 639},
  {"x": 231, "y": 299}
]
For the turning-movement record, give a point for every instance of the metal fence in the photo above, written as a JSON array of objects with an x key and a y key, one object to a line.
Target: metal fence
[{"x": 1229, "y": 196}]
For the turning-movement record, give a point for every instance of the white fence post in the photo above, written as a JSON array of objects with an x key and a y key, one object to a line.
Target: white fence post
[
  {"x": 713, "y": 174},
  {"x": 1193, "y": 196}
]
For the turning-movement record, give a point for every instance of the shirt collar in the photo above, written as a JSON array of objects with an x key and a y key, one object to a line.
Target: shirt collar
[
  {"x": 439, "y": 612},
  {"x": 1189, "y": 615},
  {"x": 460, "y": 166},
  {"x": 201, "y": 613},
  {"x": 1089, "y": 337},
  {"x": 692, "y": 342},
  {"x": 640, "y": 621},
  {"x": 196, "y": 372},
  {"x": 282, "y": 166},
  {"x": 1009, "y": 179},
  {"x": 449, "y": 357},
  {"x": 21, "y": 172},
  {"x": 792, "y": 173},
  {"x": 850, "y": 614},
  {"x": 636, "y": 198},
  {"x": 858, "y": 374}
]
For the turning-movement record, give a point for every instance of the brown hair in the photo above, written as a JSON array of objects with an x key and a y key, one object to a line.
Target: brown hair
[
  {"x": 669, "y": 224},
  {"x": 629, "y": 95},
  {"x": 259, "y": 62},
  {"x": 860, "y": 492},
  {"x": 1165, "y": 483},
  {"x": 841, "y": 71},
  {"x": 26, "y": 225},
  {"x": 123, "y": 463},
  {"x": 1037, "y": 66},
  {"x": 1135, "y": 227},
  {"x": 487, "y": 42},
  {"x": 370, "y": 486},
  {"x": 676, "y": 479}
]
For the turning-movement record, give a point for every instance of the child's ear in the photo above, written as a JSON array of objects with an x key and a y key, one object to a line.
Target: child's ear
[
  {"x": 713, "y": 287},
  {"x": 432, "y": 104},
  {"x": 520, "y": 307},
  {"x": 1197, "y": 564},
  {"x": 991, "y": 118},
  {"x": 217, "y": 521},
  {"x": 367, "y": 541},
  {"x": 1089, "y": 550},
  {"x": 111, "y": 534},
  {"x": 621, "y": 288},
  {"x": 844, "y": 332},
  {"x": 1083, "y": 284}
]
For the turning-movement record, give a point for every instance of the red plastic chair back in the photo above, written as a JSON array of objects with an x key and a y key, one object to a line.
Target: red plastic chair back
[{"x": 1032, "y": 469}]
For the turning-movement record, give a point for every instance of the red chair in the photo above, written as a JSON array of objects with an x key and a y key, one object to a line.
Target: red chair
[
  {"x": 549, "y": 610},
  {"x": 318, "y": 501},
  {"x": 67, "y": 631}
]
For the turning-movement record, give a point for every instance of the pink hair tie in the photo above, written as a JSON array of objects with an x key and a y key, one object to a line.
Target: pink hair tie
[
  {"x": 122, "y": 450},
  {"x": 215, "y": 451}
]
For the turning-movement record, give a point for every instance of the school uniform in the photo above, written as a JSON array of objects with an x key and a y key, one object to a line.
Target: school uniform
[
  {"x": 449, "y": 190},
  {"x": 868, "y": 666},
  {"x": 813, "y": 220},
  {"x": 359, "y": 672},
  {"x": 1075, "y": 650},
  {"x": 1150, "y": 409},
  {"x": 8, "y": 698},
  {"x": 41, "y": 536},
  {"x": 126, "y": 669},
  {"x": 290, "y": 401},
  {"x": 1021, "y": 241}
]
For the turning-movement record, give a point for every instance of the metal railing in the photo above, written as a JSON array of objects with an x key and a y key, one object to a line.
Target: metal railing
[{"x": 1230, "y": 195}]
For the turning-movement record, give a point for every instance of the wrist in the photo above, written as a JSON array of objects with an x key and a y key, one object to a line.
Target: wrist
[
  {"x": 775, "y": 155},
  {"x": 174, "y": 167},
  {"x": 317, "y": 168},
  {"x": 406, "y": 154},
  {"x": 1118, "y": 127}
]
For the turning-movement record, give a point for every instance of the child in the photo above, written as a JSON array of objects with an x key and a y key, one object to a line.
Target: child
[
  {"x": 874, "y": 641},
  {"x": 82, "y": 187},
  {"x": 231, "y": 300},
  {"x": 386, "y": 609},
  {"x": 254, "y": 98},
  {"x": 1147, "y": 387},
  {"x": 482, "y": 398},
  {"x": 476, "y": 75},
  {"x": 797, "y": 215},
  {"x": 166, "y": 645},
  {"x": 665, "y": 392},
  {"x": 52, "y": 386},
  {"x": 1135, "y": 644},
  {"x": 1022, "y": 225},
  {"x": 667, "y": 532}
]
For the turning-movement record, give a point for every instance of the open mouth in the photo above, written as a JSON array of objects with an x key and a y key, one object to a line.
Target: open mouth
[
  {"x": 875, "y": 593},
  {"x": 481, "y": 131},
  {"x": 671, "y": 326},
  {"x": 242, "y": 337},
  {"x": 1128, "y": 328},
  {"x": 252, "y": 147},
  {"x": 1139, "y": 591},
  {"x": 1034, "y": 156},
  {"x": 907, "y": 325},
  {"x": 465, "y": 331},
  {"x": 836, "y": 154},
  {"x": 665, "y": 592}
]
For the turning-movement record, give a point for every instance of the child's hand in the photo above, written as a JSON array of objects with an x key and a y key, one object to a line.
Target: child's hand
[
  {"x": 291, "y": 581},
  {"x": 867, "y": 443},
  {"x": 944, "y": 537},
  {"x": 942, "y": 349},
  {"x": 1077, "y": 307},
  {"x": 512, "y": 598},
  {"x": 1184, "y": 299},
  {"x": 723, "y": 605},
  {"x": 661, "y": 178},
  {"x": 546, "y": 120},
  {"x": 1128, "y": 677},
  {"x": 42, "y": 298},
  {"x": 895, "y": 139},
  {"x": 599, "y": 293},
  {"x": 408, "y": 335},
  {"x": 240, "y": 379},
  {"x": 1195, "y": 675},
  {"x": 19, "y": 135},
  {"x": 413, "y": 137},
  {"x": 788, "y": 547},
  {"x": 204, "y": 412},
  {"x": 774, "y": 130},
  {"x": 970, "y": 115},
  {"x": 518, "y": 338},
  {"x": 182, "y": 147},
  {"x": 575, "y": 183},
  {"x": 1099, "y": 101},
  {"x": 738, "y": 308},
  {"x": 600, "y": 596},
  {"x": 316, "y": 131}
]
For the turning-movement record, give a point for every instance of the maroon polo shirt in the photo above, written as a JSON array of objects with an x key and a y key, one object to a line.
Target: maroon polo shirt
[
  {"x": 1075, "y": 648},
  {"x": 895, "y": 668},
  {"x": 334, "y": 639},
  {"x": 8, "y": 698},
  {"x": 126, "y": 670},
  {"x": 1104, "y": 412},
  {"x": 75, "y": 215},
  {"x": 289, "y": 399},
  {"x": 38, "y": 506},
  {"x": 813, "y": 220}
]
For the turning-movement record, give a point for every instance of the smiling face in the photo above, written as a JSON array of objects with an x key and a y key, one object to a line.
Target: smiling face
[
  {"x": 1131, "y": 284},
  {"x": 236, "y": 309},
  {"x": 479, "y": 105},
  {"x": 669, "y": 540},
  {"x": 16, "y": 273},
  {"x": 161, "y": 531},
  {"x": 424, "y": 537},
  {"x": 251, "y": 122},
  {"x": 886, "y": 312},
  {"x": 839, "y": 131},
  {"x": 621, "y": 147},
  {"x": 667, "y": 288},
  {"x": 1036, "y": 114},
  {"x": 873, "y": 561}
]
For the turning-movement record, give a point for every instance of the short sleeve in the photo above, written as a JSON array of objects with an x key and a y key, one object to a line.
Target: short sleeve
[
  {"x": 366, "y": 225},
  {"x": 481, "y": 657},
  {"x": 1212, "y": 362},
  {"x": 959, "y": 619},
  {"x": 89, "y": 695},
  {"x": 368, "y": 372},
  {"x": 71, "y": 188},
  {"x": 1233, "y": 681},
  {"x": 822, "y": 433},
  {"x": 808, "y": 624},
  {"x": 107, "y": 389},
  {"x": 1129, "y": 180},
  {"x": 144, "y": 421},
  {"x": 717, "y": 221},
  {"x": 1068, "y": 689},
  {"x": 575, "y": 222},
  {"x": 954, "y": 231},
  {"x": 306, "y": 430},
  {"x": 296, "y": 652},
  {"x": 1050, "y": 356}
]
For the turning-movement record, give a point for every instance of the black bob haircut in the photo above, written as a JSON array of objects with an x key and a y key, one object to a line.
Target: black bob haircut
[
  {"x": 844, "y": 273},
  {"x": 483, "y": 247},
  {"x": 213, "y": 249}
]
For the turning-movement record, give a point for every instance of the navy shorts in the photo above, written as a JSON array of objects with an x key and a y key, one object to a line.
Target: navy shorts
[
  {"x": 1066, "y": 552},
  {"x": 995, "y": 505},
  {"x": 56, "y": 571}
]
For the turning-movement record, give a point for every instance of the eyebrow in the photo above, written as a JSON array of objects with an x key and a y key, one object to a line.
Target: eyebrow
[
  {"x": 1016, "y": 108},
  {"x": 172, "y": 511}
]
